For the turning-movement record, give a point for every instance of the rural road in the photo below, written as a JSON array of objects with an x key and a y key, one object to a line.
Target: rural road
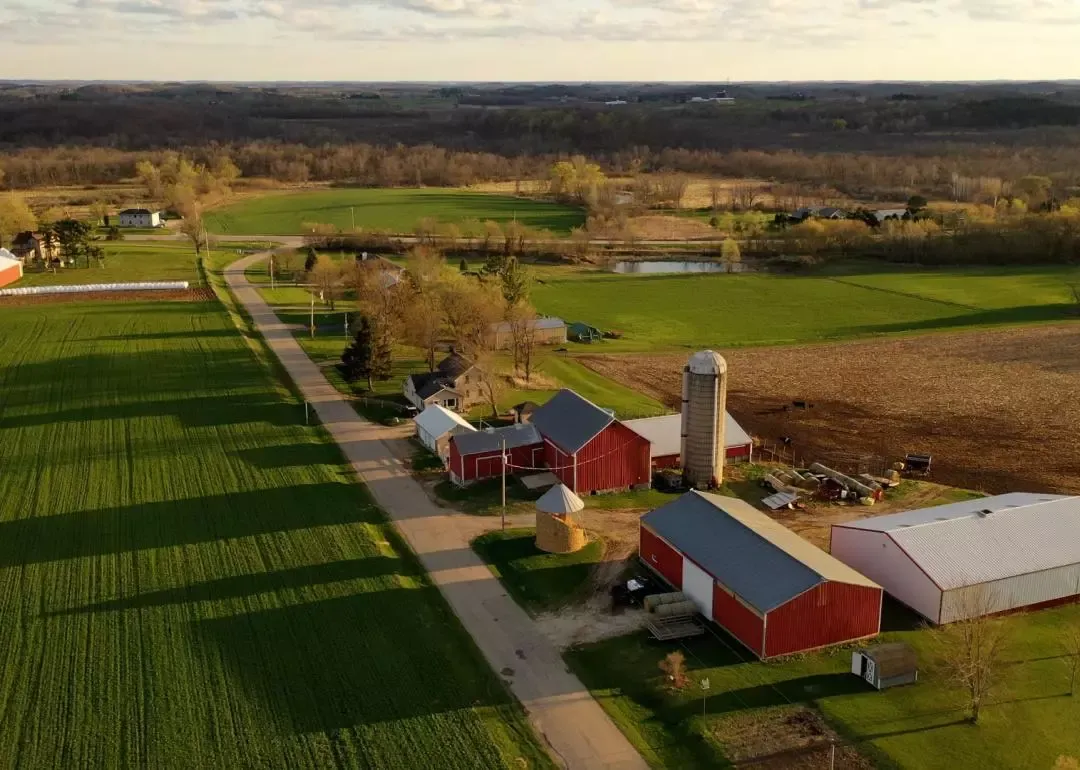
[{"x": 564, "y": 713}]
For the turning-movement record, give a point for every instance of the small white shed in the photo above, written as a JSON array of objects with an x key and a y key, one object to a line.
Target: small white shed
[{"x": 434, "y": 427}]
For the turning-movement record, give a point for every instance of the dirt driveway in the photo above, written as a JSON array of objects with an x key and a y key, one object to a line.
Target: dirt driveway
[{"x": 999, "y": 410}]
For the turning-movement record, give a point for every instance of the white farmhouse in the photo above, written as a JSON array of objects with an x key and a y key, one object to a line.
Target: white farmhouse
[{"x": 140, "y": 218}]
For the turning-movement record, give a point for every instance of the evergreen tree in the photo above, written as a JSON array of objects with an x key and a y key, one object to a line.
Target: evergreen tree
[
  {"x": 516, "y": 282},
  {"x": 356, "y": 359},
  {"x": 464, "y": 266},
  {"x": 312, "y": 258}
]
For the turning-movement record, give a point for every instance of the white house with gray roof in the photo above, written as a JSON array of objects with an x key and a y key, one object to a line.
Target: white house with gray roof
[{"x": 983, "y": 556}]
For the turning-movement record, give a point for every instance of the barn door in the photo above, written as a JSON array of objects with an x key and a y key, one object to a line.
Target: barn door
[{"x": 697, "y": 584}]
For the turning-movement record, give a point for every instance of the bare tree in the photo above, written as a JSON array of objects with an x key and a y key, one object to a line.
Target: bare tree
[
  {"x": 971, "y": 650},
  {"x": 1072, "y": 649},
  {"x": 492, "y": 381},
  {"x": 716, "y": 194},
  {"x": 522, "y": 320},
  {"x": 327, "y": 279}
]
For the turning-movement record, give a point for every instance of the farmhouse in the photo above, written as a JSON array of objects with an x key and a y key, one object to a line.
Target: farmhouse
[
  {"x": 477, "y": 456},
  {"x": 30, "y": 247},
  {"x": 544, "y": 331},
  {"x": 588, "y": 449},
  {"x": 982, "y": 556},
  {"x": 11, "y": 268},
  {"x": 763, "y": 584},
  {"x": 665, "y": 435},
  {"x": 455, "y": 385},
  {"x": 140, "y": 218},
  {"x": 818, "y": 212},
  {"x": 436, "y": 425}
]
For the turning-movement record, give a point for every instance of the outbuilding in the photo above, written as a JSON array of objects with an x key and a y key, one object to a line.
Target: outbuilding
[
  {"x": 542, "y": 331},
  {"x": 579, "y": 331},
  {"x": 768, "y": 588},
  {"x": 588, "y": 449},
  {"x": 665, "y": 435},
  {"x": 11, "y": 268},
  {"x": 140, "y": 218},
  {"x": 478, "y": 456},
  {"x": 436, "y": 425},
  {"x": 886, "y": 665},
  {"x": 978, "y": 557}
]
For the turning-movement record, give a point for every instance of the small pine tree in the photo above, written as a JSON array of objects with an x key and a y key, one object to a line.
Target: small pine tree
[
  {"x": 356, "y": 358},
  {"x": 464, "y": 266},
  {"x": 312, "y": 258},
  {"x": 674, "y": 667}
]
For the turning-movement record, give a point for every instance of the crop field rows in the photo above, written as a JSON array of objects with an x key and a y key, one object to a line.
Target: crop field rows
[{"x": 189, "y": 577}]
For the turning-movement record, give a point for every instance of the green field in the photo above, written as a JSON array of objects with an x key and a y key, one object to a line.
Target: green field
[
  {"x": 395, "y": 210},
  {"x": 539, "y": 581},
  {"x": 126, "y": 261},
  {"x": 691, "y": 311},
  {"x": 191, "y": 578},
  {"x": 1030, "y": 722}
]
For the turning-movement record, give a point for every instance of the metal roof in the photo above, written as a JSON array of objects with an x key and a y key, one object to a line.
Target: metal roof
[
  {"x": 538, "y": 324},
  {"x": 7, "y": 259},
  {"x": 454, "y": 365},
  {"x": 560, "y": 500},
  {"x": 570, "y": 420},
  {"x": 992, "y": 538},
  {"x": 438, "y": 421},
  {"x": 491, "y": 440},
  {"x": 763, "y": 562},
  {"x": 665, "y": 433},
  {"x": 427, "y": 385}
]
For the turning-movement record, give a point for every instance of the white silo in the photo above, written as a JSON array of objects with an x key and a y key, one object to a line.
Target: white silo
[{"x": 704, "y": 406}]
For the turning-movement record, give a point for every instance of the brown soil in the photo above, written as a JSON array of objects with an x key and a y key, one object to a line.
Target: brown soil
[
  {"x": 998, "y": 410},
  {"x": 788, "y": 738},
  {"x": 661, "y": 227},
  {"x": 182, "y": 295}
]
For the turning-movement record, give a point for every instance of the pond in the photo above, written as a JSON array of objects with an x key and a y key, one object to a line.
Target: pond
[{"x": 675, "y": 266}]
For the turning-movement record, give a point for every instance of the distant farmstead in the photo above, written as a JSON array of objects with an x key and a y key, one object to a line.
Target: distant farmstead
[
  {"x": 35, "y": 247},
  {"x": 771, "y": 590},
  {"x": 544, "y": 331},
  {"x": 140, "y": 218},
  {"x": 983, "y": 556}
]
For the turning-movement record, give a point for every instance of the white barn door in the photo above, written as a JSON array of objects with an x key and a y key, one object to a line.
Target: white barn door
[{"x": 697, "y": 584}]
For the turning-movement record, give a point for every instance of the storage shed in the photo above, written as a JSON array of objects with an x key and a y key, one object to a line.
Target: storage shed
[
  {"x": 886, "y": 665},
  {"x": 588, "y": 449},
  {"x": 11, "y": 268},
  {"x": 665, "y": 435},
  {"x": 984, "y": 556},
  {"x": 771, "y": 590},
  {"x": 436, "y": 425},
  {"x": 478, "y": 456},
  {"x": 582, "y": 332}
]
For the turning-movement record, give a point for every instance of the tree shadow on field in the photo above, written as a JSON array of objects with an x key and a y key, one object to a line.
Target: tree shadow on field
[
  {"x": 291, "y": 455},
  {"x": 239, "y": 586},
  {"x": 1003, "y": 316},
  {"x": 182, "y": 522},
  {"x": 202, "y": 412},
  {"x": 369, "y": 658}
]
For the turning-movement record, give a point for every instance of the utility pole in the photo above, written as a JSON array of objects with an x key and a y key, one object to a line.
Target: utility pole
[
  {"x": 346, "y": 324},
  {"x": 312, "y": 316},
  {"x": 504, "y": 484},
  {"x": 352, "y": 216},
  {"x": 272, "y": 271}
]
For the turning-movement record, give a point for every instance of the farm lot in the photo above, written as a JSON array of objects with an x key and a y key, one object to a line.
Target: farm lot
[
  {"x": 396, "y": 210},
  {"x": 189, "y": 577},
  {"x": 997, "y": 409}
]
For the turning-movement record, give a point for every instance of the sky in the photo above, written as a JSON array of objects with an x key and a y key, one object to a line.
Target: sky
[{"x": 539, "y": 40}]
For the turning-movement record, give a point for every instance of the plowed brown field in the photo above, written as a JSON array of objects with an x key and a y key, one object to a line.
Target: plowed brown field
[{"x": 999, "y": 410}]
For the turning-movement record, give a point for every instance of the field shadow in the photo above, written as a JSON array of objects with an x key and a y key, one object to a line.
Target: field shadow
[
  {"x": 290, "y": 455},
  {"x": 181, "y": 522},
  {"x": 240, "y": 586},
  {"x": 799, "y": 690},
  {"x": 203, "y": 412},
  {"x": 349, "y": 661},
  {"x": 999, "y": 317}
]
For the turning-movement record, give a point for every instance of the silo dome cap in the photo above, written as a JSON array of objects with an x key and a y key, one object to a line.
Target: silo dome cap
[{"x": 707, "y": 362}]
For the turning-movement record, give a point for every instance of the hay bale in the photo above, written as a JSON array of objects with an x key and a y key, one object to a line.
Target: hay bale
[
  {"x": 556, "y": 534},
  {"x": 655, "y": 600},
  {"x": 676, "y": 609}
]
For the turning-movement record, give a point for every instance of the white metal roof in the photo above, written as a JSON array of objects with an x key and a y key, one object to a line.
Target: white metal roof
[
  {"x": 560, "y": 500},
  {"x": 665, "y": 433},
  {"x": 992, "y": 538},
  {"x": 7, "y": 259},
  {"x": 438, "y": 421}
]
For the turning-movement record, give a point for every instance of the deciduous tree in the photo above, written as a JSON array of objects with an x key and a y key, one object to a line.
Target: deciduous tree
[
  {"x": 15, "y": 217},
  {"x": 971, "y": 651},
  {"x": 730, "y": 254}
]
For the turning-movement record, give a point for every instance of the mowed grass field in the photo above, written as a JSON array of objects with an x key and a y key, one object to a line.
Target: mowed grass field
[
  {"x": 189, "y": 577},
  {"x": 666, "y": 312},
  {"x": 1029, "y": 721},
  {"x": 395, "y": 210}
]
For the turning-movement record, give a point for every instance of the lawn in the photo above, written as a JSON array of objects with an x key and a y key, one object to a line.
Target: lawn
[
  {"x": 1030, "y": 723},
  {"x": 539, "y": 581},
  {"x": 126, "y": 261},
  {"x": 189, "y": 577},
  {"x": 669, "y": 312},
  {"x": 395, "y": 210}
]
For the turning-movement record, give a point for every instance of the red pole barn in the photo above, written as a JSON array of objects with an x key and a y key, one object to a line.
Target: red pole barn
[
  {"x": 11, "y": 268},
  {"x": 771, "y": 590},
  {"x": 588, "y": 449}
]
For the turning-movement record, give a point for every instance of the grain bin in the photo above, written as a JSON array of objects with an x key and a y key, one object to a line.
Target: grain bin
[{"x": 704, "y": 405}]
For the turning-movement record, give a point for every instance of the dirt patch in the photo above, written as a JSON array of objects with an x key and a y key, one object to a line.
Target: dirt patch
[
  {"x": 997, "y": 409},
  {"x": 787, "y": 738},
  {"x": 656, "y": 227},
  {"x": 179, "y": 295}
]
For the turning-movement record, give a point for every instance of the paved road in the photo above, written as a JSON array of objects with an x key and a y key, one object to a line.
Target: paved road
[{"x": 563, "y": 712}]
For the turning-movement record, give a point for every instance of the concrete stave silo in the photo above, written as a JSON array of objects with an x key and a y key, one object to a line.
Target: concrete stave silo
[{"x": 704, "y": 406}]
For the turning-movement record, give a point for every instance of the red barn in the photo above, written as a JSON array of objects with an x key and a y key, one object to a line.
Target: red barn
[
  {"x": 478, "y": 456},
  {"x": 11, "y": 269},
  {"x": 665, "y": 435},
  {"x": 588, "y": 449},
  {"x": 763, "y": 584}
]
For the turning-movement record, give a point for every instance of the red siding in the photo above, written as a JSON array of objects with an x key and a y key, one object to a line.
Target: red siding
[
  {"x": 655, "y": 552},
  {"x": 487, "y": 465},
  {"x": 10, "y": 275},
  {"x": 830, "y": 613},
  {"x": 617, "y": 458},
  {"x": 666, "y": 461},
  {"x": 737, "y": 619},
  {"x": 738, "y": 452}
]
